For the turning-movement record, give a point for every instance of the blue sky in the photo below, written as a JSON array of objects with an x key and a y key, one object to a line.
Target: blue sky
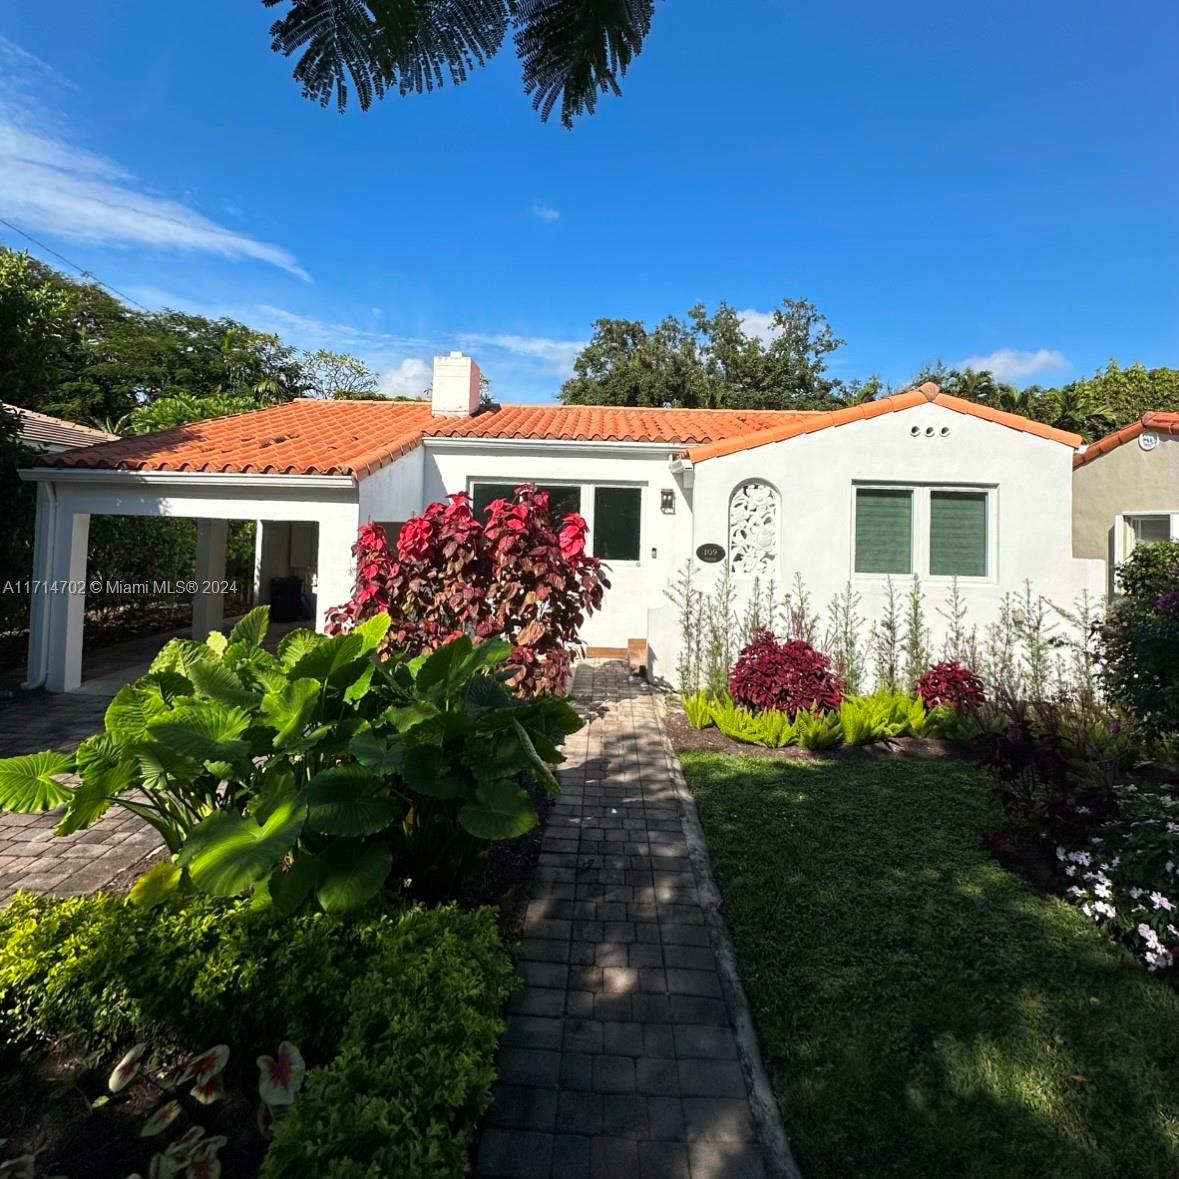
[{"x": 993, "y": 182}]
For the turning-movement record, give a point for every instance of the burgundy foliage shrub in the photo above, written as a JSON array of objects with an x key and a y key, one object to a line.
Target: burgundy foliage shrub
[
  {"x": 514, "y": 576},
  {"x": 951, "y": 684},
  {"x": 786, "y": 676}
]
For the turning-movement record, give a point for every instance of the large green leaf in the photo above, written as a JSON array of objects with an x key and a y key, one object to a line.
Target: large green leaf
[
  {"x": 438, "y": 667},
  {"x": 486, "y": 694},
  {"x": 373, "y": 630},
  {"x": 332, "y": 659},
  {"x": 343, "y": 800},
  {"x": 289, "y": 887},
  {"x": 252, "y": 628},
  {"x": 156, "y": 885},
  {"x": 428, "y": 772},
  {"x": 179, "y": 655},
  {"x": 205, "y": 730},
  {"x": 27, "y": 783},
  {"x": 485, "y": 823},
  {"x": 297, "y": 643},
  {"x": 101, "y": 785},
  {"x": 218, "y": 682},
  {"x": 131, "y": 711},
  {"x": 290, "y": 709},
  {"x": 160, "y": 768},
  {"x": 351, "y": 874},
  {"x": 408, "y": 717},
  {"x": 377, "y": 754},
  {"x": 226, "y": 853}
]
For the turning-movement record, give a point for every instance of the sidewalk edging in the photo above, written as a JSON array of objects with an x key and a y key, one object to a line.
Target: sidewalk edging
[{"x": 780, "y": 1161}]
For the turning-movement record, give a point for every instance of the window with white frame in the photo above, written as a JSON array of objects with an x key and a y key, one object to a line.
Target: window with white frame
[
  {"x": 931, "y": 531},
  {"x": 613, "y": 513},
  {"x": 1149, "y": 529}
]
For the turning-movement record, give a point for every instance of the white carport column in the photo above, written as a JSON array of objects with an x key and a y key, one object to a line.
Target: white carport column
[
  {"x": 208, "y": 605},
  {"x": 39, "y": 595},
  {"x": 66, "y": 599},
  {"x": 335, "y": 570}
]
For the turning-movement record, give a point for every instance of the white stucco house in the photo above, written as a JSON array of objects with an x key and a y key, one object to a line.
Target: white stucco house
[{"x": 918, "y": 483}]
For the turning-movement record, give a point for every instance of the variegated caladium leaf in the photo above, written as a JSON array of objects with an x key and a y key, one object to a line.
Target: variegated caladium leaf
[
  {"x": 161, "y": 1119},
  {"x": 281, "y": 1076},
  {"x": 204, "y": 1163},
  {"x": 19, "y": 1168},
  {"x": 208, "y": 1091},
  {"x": 207, "y": 1065},
  {"x": 181, "y": 1151},
  {"x": 162, "y": 1167},
  {"x": 127, "y": 1069}
]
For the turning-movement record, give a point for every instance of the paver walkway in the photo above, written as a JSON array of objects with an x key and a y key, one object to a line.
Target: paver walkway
[{"x": 619, "y": 1060}]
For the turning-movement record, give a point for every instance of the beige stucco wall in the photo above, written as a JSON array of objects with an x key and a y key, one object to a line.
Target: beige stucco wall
[{"x": 1126, "y": 480}]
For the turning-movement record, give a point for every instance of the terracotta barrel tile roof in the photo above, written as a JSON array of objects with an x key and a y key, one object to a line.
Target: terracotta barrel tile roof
[
  {"x": 1154, "y": 420},
  {"x": 929, "y": 392},
  {"x": 355, "y": 438}
]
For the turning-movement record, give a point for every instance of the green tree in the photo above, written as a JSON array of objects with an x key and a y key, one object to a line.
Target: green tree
[
  {"x": 570, "y": 50},
  {"x": 713, "y": 361},
  {"x": 337, "y": 375}
]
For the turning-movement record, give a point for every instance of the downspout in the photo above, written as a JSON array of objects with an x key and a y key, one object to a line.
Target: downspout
[{"x": 38, "y": 681}]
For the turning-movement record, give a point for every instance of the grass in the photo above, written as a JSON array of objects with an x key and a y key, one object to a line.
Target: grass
[{"x": 924, "y": 1013}]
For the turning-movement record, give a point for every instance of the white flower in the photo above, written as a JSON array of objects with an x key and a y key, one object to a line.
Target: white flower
[
  {"x": 1161, "y": 902},
  {"x": 1104, "y": 909}
]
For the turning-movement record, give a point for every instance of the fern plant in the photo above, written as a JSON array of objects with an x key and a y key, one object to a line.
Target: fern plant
[
  {"x": 698, "y": 710},
  {"x": 818, "y": 730}
]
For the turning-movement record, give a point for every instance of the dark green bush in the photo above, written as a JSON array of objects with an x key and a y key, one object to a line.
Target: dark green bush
[
  {"x": 400, "y": 1012},
  {"x": 402, "y": 1098},
  {"x": 1140, "y": 637}
]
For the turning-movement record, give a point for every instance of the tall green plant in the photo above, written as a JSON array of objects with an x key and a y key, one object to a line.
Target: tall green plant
[
  {"x": 799, "y": 620},
  {"x": 917, "y": 642},
  {"x": 885, "y": 643},
  {"x": 322, "y": 770},
  {"x": 844, "y": 628},
  {"x": 1034, "y": 630},
  {"x": 720, "y": 633},
  {"x": 687, "y": 599}
]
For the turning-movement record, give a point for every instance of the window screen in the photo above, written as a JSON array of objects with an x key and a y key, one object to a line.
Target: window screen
[
  {"x": 1150, "y": 529},
  {"x": 616, "y": 523},
  {"x": 562, "y": 500},
  {"x": 958, "y": 533},
  {"x": 884, "y": 531}
]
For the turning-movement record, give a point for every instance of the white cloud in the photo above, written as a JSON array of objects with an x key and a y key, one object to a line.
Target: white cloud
[
  {"x": 1012, "y": 364},
  {"x": 758, "y": 324},
  {"x": 48, "y": 183},
  {"x": 545, "y": 212},
  {"x": 409, "y": 379},
  {"x": 557, "y": 355}
]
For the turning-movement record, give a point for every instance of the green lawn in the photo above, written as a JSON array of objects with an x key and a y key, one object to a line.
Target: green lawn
[{"x": 924, "y": 1013}]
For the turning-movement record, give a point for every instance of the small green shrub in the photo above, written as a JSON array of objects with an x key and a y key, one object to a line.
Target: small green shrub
[
  {"x": 698, "y": 709},
  {"x": 1139, "y": 639},
  {"x": 818, "y": 730},
  {"x": 97, "y": 971},
  {"x": 402, "y": 1098}
]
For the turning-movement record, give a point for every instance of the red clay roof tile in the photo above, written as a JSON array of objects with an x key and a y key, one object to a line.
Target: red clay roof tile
[
  {"x": 1157, "y": 421},
  {"x": 307, "y": 437}
]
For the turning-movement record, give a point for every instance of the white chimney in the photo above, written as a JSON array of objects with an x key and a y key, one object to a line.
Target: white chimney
[{"x": 456, "y": 386}]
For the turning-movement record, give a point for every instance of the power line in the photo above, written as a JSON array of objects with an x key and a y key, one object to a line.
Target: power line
[{"x": 74, "y": 266}]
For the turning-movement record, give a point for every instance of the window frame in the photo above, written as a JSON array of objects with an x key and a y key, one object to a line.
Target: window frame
[
  {"x": 922, "y": 523},
  {"x": 585, "y": 489}
]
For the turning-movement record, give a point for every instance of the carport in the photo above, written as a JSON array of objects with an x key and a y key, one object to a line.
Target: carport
[{"x": 321, "y": 510}]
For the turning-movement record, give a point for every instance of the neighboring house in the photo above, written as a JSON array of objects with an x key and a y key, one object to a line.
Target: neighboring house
[
  {"x": 916, "y": 484},
  {"x": 42, "y": 432},
  {"x": 1126, "y": 491}
]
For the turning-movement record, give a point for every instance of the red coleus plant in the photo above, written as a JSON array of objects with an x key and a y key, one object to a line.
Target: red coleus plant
[
  {"x": 951, "y": 685},
  {"x": 514, "y": 576},
  {"x": 785, "y": 676}
]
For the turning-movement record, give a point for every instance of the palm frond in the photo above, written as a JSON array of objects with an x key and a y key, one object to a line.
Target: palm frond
[
  {"x": 572, "y": 50},
  {"x": 409, "y": 46}
]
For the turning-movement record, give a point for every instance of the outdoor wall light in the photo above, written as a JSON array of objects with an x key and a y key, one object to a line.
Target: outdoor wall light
[{"x": 667, "y": 501}]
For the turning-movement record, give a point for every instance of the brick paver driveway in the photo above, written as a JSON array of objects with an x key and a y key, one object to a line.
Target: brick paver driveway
[{"x": 619, "y": 1060}]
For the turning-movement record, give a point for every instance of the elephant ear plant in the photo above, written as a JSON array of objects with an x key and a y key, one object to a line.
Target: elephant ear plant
[{"x": 330, "y": 770}]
